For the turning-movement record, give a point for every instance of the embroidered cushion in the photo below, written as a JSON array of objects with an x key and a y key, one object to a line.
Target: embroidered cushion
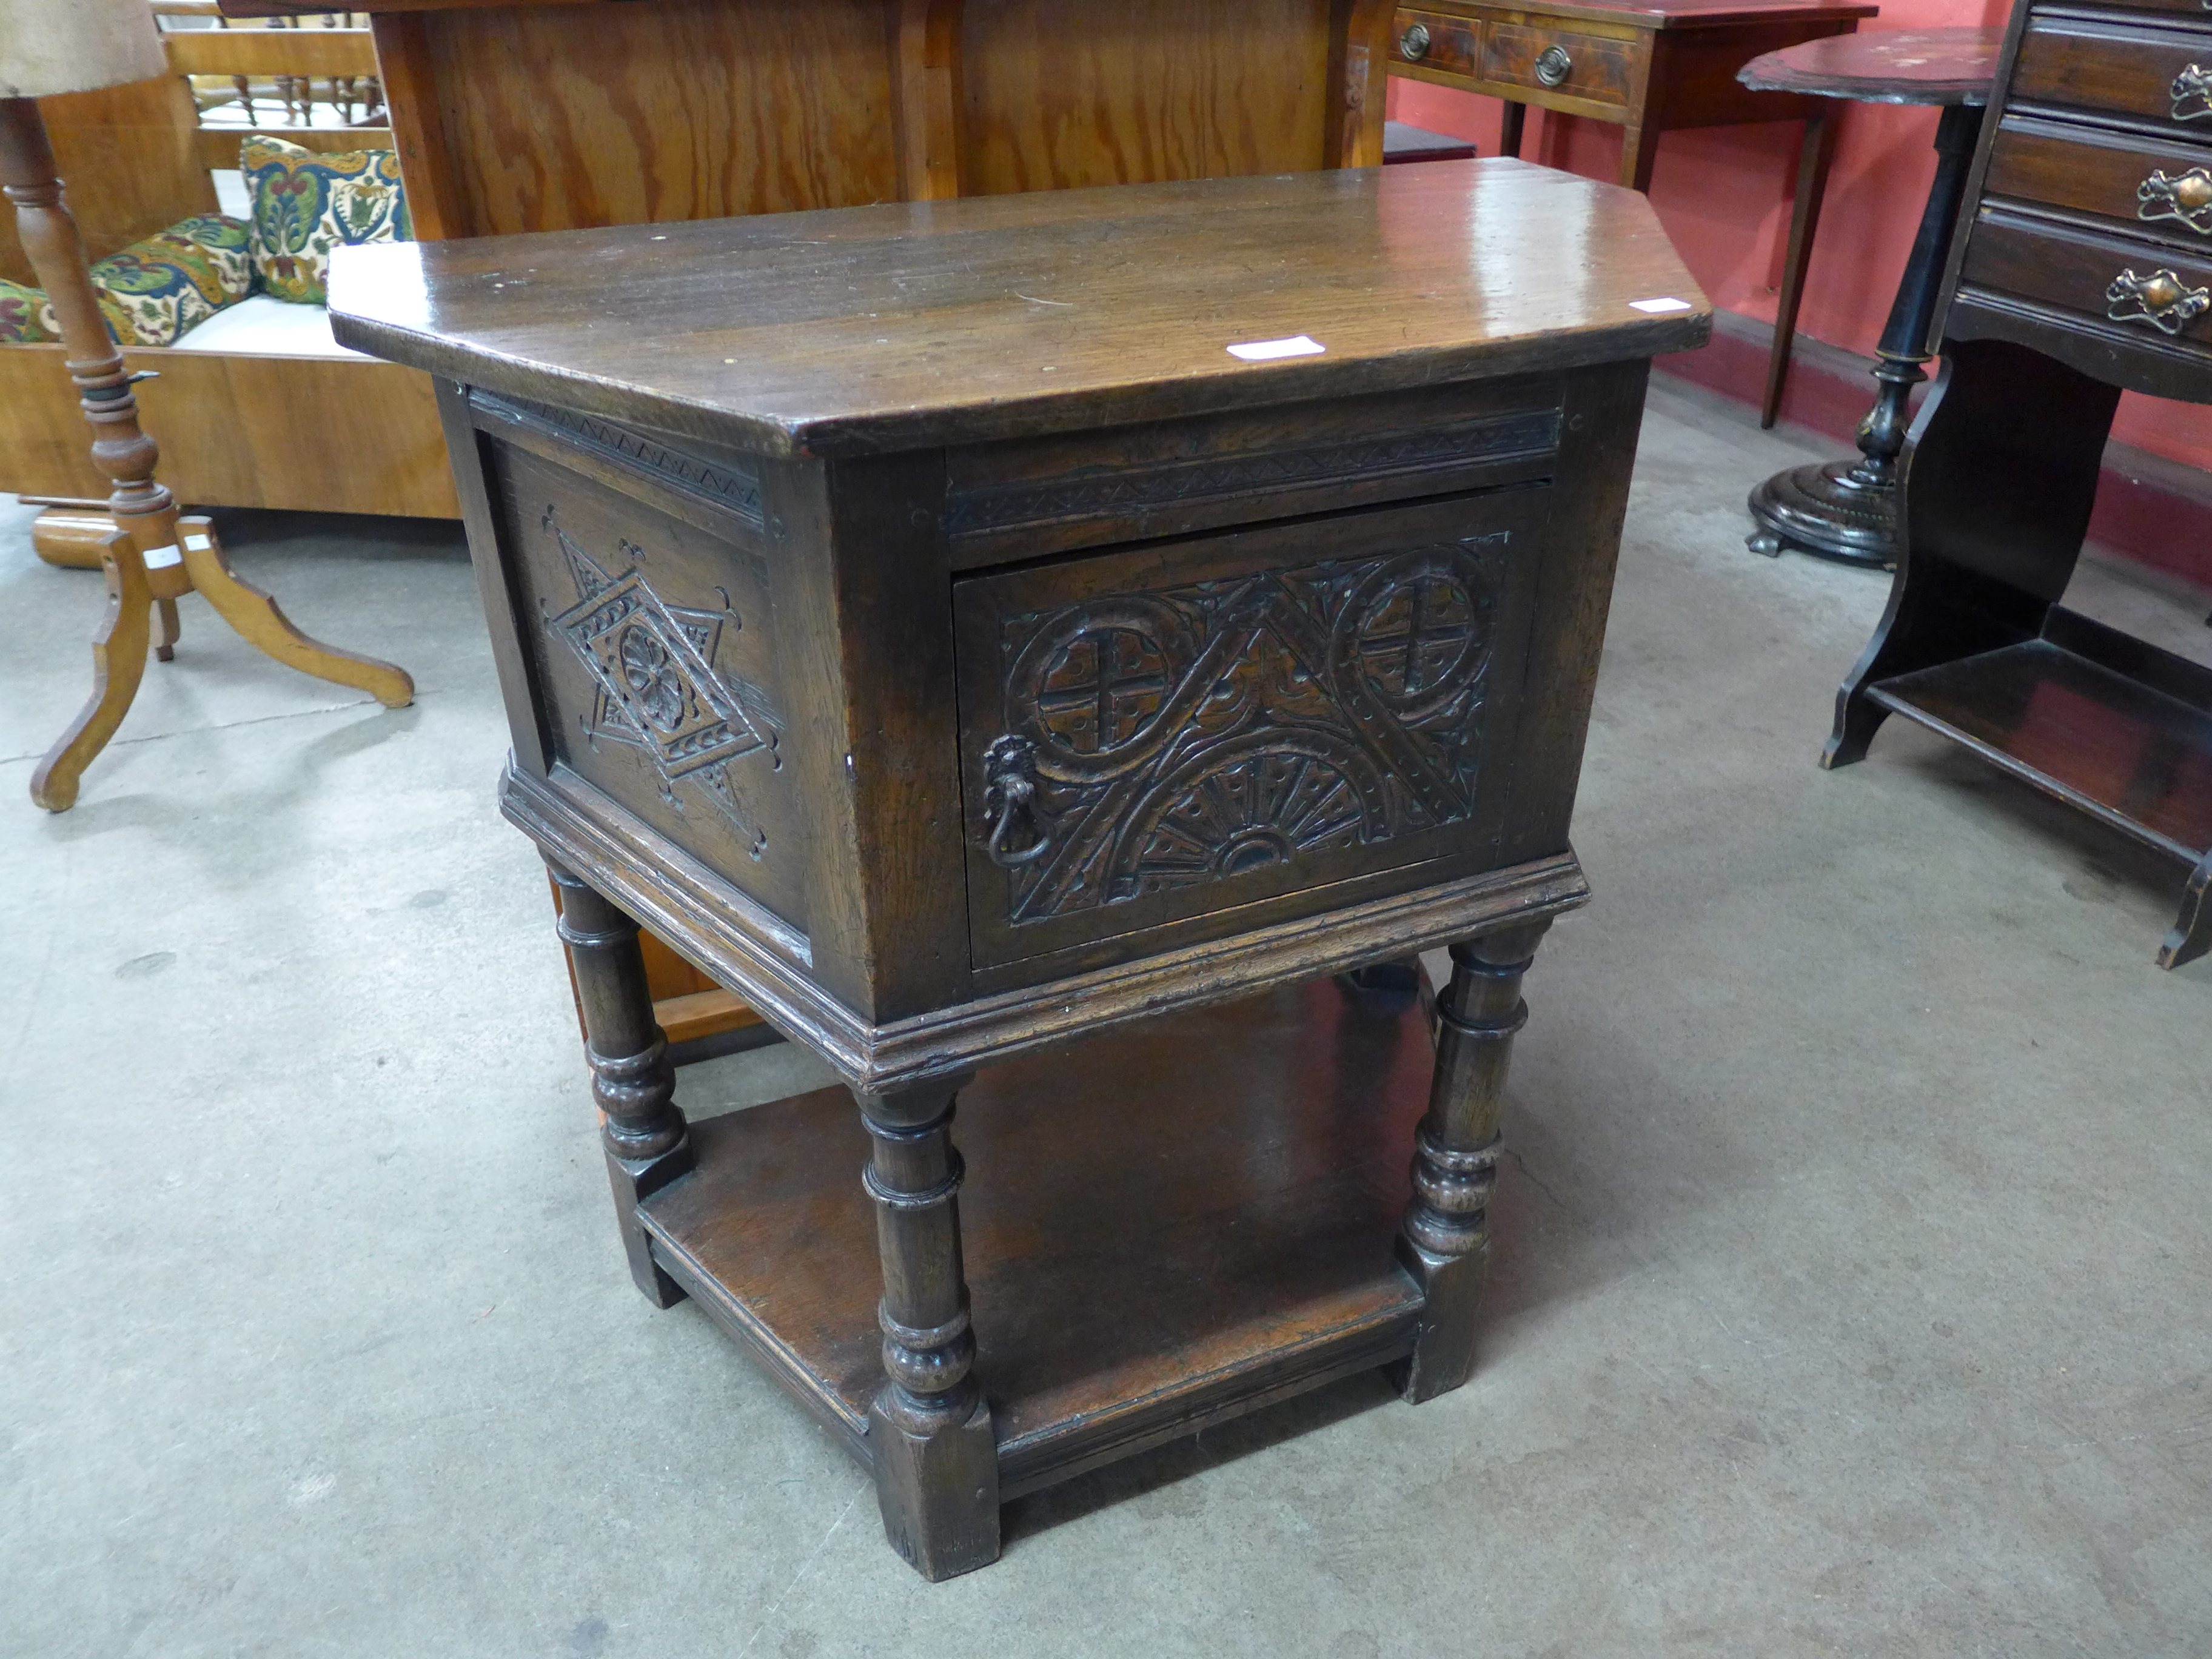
[
  {"x": 306, "y": 205},
  {"x": 151, "y": 292},
  {"x": 155, "y": 290},
  {"x": 24, "y": 315}
]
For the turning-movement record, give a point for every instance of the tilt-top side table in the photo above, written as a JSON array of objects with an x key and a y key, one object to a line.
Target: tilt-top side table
[{"x": 923, "y": 617}]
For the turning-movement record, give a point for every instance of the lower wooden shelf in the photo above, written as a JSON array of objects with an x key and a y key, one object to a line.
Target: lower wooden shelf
[
  {"x": 2105, "y": 721},
  {"x": 2109, "y": 724},
  {"x": 1164, "y": 1226}
]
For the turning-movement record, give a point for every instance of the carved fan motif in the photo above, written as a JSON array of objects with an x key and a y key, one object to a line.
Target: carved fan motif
[{"x": 1243, "y": 815}]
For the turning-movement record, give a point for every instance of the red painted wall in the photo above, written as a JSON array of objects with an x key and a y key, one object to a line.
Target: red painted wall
[{"x": 1723, "y": 195}]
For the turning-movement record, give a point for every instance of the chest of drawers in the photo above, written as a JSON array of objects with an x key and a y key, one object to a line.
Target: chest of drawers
[
  {"x": 2089, "y": 227},
  {"x": 2082, "y": 268}
]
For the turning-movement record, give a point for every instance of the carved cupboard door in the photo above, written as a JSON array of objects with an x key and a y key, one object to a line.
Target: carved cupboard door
[{"x": 1155, "y": 738}]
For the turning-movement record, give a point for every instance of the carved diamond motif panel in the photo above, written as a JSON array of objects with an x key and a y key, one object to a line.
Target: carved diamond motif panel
[
  {"x": 1192, "y": 735},
  {"x": 656, "y": 686}
]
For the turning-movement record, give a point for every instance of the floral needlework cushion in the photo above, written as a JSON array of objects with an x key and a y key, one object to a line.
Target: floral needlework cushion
[
  {"x": 306, "y": 205},
  {"x": 156, "y": 290},
  {"x": 24, "y": 315}
]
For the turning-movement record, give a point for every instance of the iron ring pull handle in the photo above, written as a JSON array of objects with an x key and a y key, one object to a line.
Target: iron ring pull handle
[
  {"x": 1009, "y": 797},
  {"x": 1554, "y": 66},
  {"x": 2191, "y": 93},
  {"x": 1414, "y": 44},
  {"x": 2161, "y": 299}
]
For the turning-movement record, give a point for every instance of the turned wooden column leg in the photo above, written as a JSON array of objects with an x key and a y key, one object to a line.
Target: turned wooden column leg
[
  {"x": 1444, "y": 1240},
  {"x": 648, "y": 1145},
  {"x": 929, "y": 1431}
]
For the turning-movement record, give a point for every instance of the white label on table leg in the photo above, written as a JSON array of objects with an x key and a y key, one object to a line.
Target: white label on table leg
[
  {"x": 1260, "y": 351},
  {"x": 160, "y": 558},
  {"x": 198, "y": 544}
]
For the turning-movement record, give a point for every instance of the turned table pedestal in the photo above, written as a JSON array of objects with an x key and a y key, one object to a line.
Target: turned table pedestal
[
  {"x": 1025, "y": 647},
  {"x": 1847, "y": 510}
]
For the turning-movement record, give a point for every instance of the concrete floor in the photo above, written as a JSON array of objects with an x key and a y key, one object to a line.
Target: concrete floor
[{"x": 1853, "y": 1258}]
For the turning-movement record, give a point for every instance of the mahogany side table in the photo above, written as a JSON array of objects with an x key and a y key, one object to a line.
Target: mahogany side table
[
  {"x": 1847, "y": 510},
  {"x": 1024, "y": 646},
  {"x": 1651, "y": 66}
]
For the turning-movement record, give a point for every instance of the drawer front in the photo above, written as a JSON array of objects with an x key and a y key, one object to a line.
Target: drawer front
[
  {"x": 1205, "y": 725},
  {"x": 2164, "y": 190},
  {"x": 2160, "y": 296},
  {"x": 1031, "y": 496},
  {"x": 1587, "y": 66},
  {"x": 1437, "y": 41},
  {"x": 2159, "y": 75}
]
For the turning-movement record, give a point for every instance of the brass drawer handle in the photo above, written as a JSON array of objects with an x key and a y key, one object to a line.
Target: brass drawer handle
[
  {"x": 2193, "y": 94},
  {"x": 1009, "y": 794},
  {"x": 2188, "y": 198},
  {"x": 1414, "y": 44},
  {"x": 1554, "y": 66},
  {"x": 2159, "y": 299}
]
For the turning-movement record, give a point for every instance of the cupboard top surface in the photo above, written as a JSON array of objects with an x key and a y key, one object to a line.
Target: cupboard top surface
[{"x": 869, "y": 330}]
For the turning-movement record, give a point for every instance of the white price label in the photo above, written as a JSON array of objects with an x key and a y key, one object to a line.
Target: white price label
[
  {"x": 1261, "y": 351},
  {"x": 160, "y": 558}
]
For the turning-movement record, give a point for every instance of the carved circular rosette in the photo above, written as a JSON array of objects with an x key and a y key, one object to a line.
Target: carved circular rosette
[
  {"x": 1090, "y": 686},
  {"x": 1451, "y": 1195},
  {"x": 1413, "y": 636},
  {"x": 652, "y": 674}
]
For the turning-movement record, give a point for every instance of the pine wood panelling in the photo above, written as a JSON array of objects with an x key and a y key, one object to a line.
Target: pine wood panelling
[
  {"x": 927, "y": 43},
  {"x": 407, "y": 64},
  {"x": 260, "y": 52},
  {"x": 219, "y": 146},
  {"x": 644, "y": 113},
  {"x": 128, "y": 161},
  {"x": 313, "y": 434},
  {"x": 1062, "y": 93}
]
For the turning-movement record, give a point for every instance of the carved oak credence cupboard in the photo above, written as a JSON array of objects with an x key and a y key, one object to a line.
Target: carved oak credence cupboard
[
  {"x": 919, "y": 615},
  {"x": 2082, "y": 267}
]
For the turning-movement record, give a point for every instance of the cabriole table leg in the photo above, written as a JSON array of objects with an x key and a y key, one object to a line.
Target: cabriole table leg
[{"x": 1444, "y": 1240}]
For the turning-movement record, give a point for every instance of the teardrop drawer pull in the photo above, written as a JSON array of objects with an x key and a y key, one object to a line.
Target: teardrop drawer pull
[{"x": 2159, "y": 299}]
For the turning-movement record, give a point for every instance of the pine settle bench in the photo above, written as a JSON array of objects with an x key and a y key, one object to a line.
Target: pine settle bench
[{"x": 919, "y": 616}]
